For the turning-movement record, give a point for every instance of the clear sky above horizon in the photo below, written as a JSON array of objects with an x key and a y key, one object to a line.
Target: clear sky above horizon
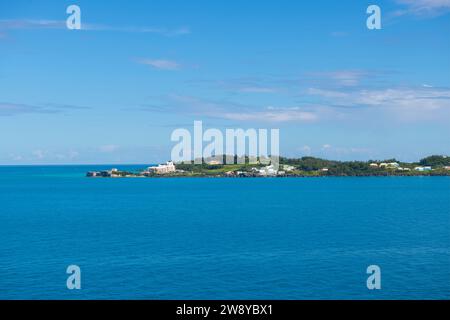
[{"x": 114, "y": 91}]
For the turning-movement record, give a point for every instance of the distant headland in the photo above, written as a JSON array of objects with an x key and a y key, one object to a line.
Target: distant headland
[{"x": 436, "y": 165}]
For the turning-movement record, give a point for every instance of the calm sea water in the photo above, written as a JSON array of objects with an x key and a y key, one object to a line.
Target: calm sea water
[{"x": 187, "y": 238}]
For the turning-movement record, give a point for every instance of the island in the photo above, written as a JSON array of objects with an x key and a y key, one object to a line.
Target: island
[{"x": 436, "y": 165}]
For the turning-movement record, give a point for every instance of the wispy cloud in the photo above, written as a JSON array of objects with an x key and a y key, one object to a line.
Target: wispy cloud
[
  {"x": 286, "y": 84},
  {"x": 39, "y": 154},
  {"x": 423, "y": 8},
  {"x": 412, "y": 103},
  {"x": 30, "y": 24},
  {"x": 42, "y": 156},
  {"x": 257, "y": 89},
  {"x": 162, "y": 64},
  {"x": 271, "y": 115},
  {"x": 133, "y": 29},
  {"x": 14, "y": 24},
  {"x": 70, "y": 155},
  {"x": 247, "y": 85},
  {"x": 11, "y": 109},
  {"x": 346, "y": 78},
  {"x": 108, "y": 148},
  {"x": 338, "y": 95},
  {"x": 228, "y": 110}
]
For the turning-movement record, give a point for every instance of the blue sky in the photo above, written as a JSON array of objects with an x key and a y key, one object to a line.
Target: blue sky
[{"x": 114, "y": 91}]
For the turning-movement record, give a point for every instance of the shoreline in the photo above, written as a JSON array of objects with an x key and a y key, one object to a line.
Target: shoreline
[
  {"x": 273, "y": 177},
  {"x": 305, "y": 167}
]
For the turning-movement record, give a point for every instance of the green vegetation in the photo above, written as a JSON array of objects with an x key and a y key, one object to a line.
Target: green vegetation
[
  {"x": 304, "y": 167},
  {"x": 216, "y": 169},
  {"x": 435, "y": 161},
  {"x": 316, "y": 167}
]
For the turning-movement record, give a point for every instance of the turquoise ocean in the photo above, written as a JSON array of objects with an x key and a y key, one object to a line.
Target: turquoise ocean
[{"x": 221, "y": 238}]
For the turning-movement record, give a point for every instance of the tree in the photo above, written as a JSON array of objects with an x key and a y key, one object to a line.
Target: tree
[{"x": 435, "y": 161}]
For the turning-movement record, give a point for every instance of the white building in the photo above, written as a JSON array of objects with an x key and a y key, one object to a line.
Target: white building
[
  {"x": 393, "y": 165},
  {"x": 422, "y": 168},
  {"x": 168, "y": 167},
  {"x": 288, "y": 167},
  {"x": 389, "y": 165},
  {"x": 268, "y": 171}
]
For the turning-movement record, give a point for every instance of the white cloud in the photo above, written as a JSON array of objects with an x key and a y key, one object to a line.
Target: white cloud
[
  {"x": 326, "y": 93},
  {"x": 162, "y": 64},
  {"x": 270, "y": 116},
  {"x": 39, "y": 154},
  {"x": 67, "y": 156},
  {"x": 327, "y": 102},
  {"x": 11, "y": 24},
  {"x": 257, "y": 90},
  {"x": 157, "y": 30},
  {"x": 306, "y": 150},
  {"x": 425, "y": 99},
  {"x": 234, "y": 111},
  {"x": 108, "y": 148},
  {"x": 246, "y": 85},
  {"x": 423, "y": 7},
  {"x": 16, "y": 157},
  {"x": 346, "y": 78},
  {"x": 47, "y": 156},
  {"x": 416, "y": 99},
  {"x": 14, "y": 24},
  {"x": 10, "y": 109}
]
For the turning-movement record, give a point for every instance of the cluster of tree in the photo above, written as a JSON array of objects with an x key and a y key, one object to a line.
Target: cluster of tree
[
  {"x": 205, "y": 164},
  {"x": 197, "y": 167},
  {"x": 435, "y": 161},
  {"x": 350, "y": 168},
  {"x": 312, "y": 165},
  {"x": 309, "y": 163}
]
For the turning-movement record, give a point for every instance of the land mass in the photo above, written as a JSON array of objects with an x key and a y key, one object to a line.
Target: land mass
[{"x": 436, "y": 165}]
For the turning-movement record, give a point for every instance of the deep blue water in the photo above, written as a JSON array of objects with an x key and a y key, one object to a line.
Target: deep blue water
[{"x": 188, "y": 238}]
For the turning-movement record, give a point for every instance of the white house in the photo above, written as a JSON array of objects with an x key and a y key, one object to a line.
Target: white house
[
  {"x": 288, "y": 167},
  {"x": 422, "y": 168},
  {"x": 168, "y": 167},
  {"x": 268, "y": 171},
  {"x": 393, "y": 165}
]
